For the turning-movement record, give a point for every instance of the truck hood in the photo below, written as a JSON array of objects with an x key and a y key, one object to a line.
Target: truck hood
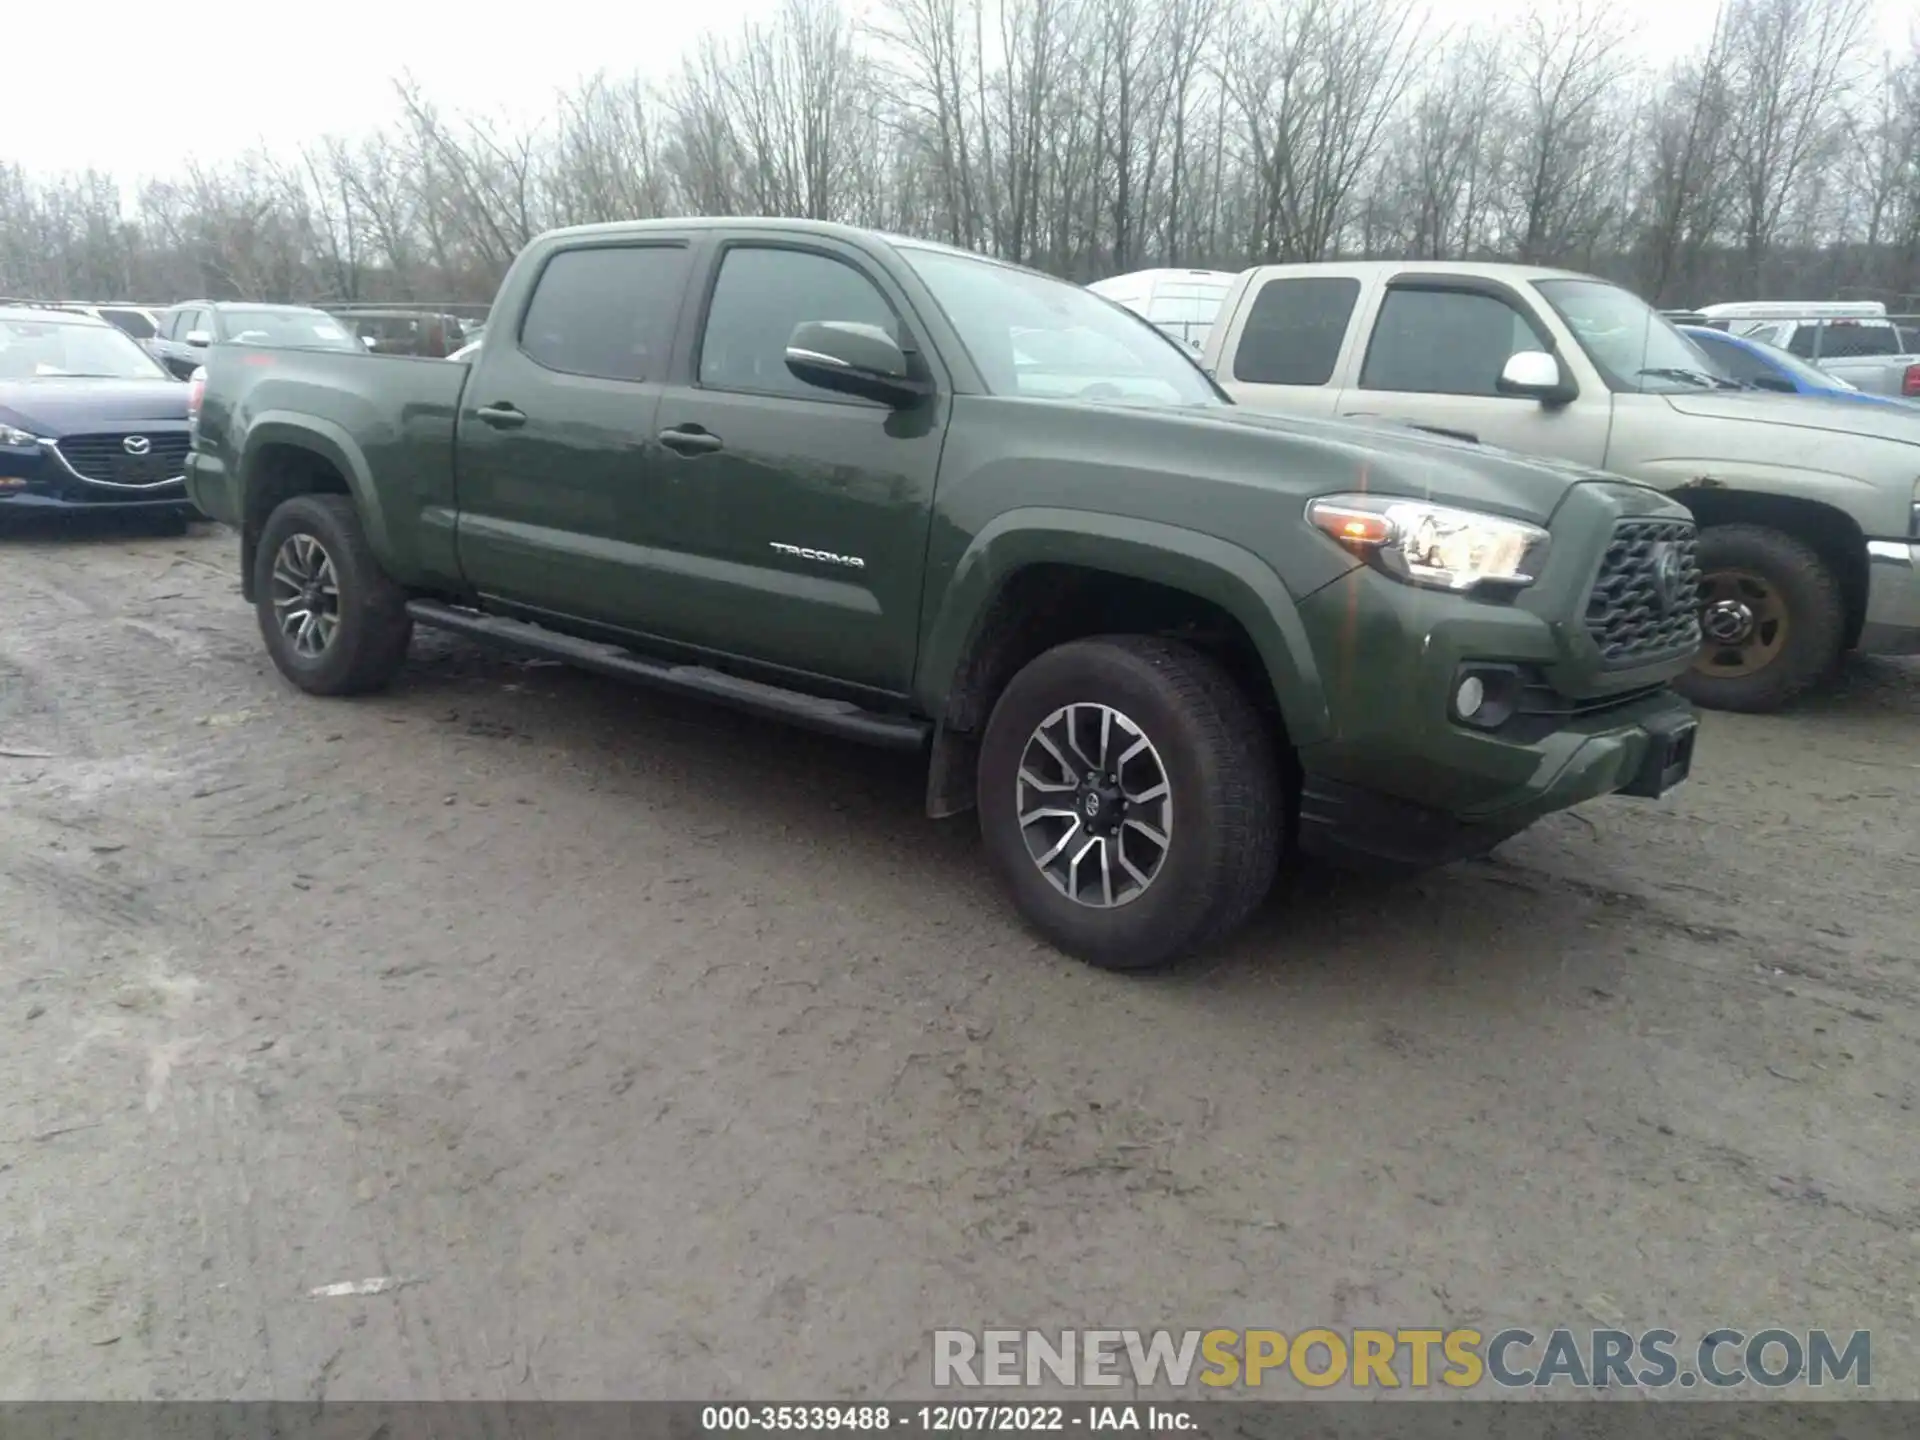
[
  {"x": 1803, "y": 412},
  {"x": 1399, "y": 459},
  {"x": 56, "y": 407}
]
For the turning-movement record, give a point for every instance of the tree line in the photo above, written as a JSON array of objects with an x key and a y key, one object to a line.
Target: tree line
[{"x": 1088, "y": 138}]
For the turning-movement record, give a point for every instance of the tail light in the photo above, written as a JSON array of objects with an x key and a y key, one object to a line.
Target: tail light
[
  {"x": 196, "y": 392},
  {"x": 1911, "y": 385}
]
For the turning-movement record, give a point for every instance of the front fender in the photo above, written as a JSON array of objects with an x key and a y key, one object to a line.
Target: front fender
[
  {"x": 1215, "y": 570},
  {"x": 332, "y": 443},
  {"x": 1855, "y": 498}
]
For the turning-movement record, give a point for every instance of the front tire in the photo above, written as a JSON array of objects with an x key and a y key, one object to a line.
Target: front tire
[
  {"x": 1130, "y": 800},
  {"x": 1771, "y": 620},
  {"x": 334, "y": 623}
]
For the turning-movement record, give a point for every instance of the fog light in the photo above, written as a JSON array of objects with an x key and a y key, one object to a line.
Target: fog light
[{"x": 1469, "y": 697}]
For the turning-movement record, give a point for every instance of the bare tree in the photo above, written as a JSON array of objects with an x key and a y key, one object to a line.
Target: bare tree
[
  {"x": 1084, "y": 137},
  {"x": 1788, "y": 67}
]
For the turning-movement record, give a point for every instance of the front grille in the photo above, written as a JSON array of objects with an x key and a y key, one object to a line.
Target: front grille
[
  {"x": 1645, "y": 604},
  {"x": 105, "y": 459}
]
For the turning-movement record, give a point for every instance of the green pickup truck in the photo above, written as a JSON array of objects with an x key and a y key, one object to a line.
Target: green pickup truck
[{"x": 915, "y": 497}]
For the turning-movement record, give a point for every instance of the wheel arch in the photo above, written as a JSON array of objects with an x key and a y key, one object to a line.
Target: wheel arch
[
  {"x": 285, "y": 456},
  {"x": 1038, "y": 578},
  {"x": 1829, "y": 531}
]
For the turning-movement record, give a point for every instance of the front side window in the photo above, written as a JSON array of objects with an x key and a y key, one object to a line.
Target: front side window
[
  {"x": 1295, "y": 329},
  {"x": 606, "y": 312},
  {"x": 1445, "y": 342},
  {"x": 1735, "y": 361},
  {"x": 1635, "y": 348},
  {"x": 763, "y": 293},
  {"x": 1033, "y": 336}
]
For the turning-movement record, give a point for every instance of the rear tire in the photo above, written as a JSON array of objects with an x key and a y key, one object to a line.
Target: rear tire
[
  {"x": 1772, "y": 620},
  {"x": 1190, "y": 732},
  {"x": 334, "y": 623}
]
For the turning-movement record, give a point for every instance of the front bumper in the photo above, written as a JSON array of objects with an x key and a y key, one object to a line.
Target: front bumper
[
  {"x": 1893, "y": 599},
  {"x": 1645, "y": 749},
  {"x": 43, "y": 480}
]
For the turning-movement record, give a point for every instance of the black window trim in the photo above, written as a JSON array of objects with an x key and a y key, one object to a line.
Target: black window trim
[
  {"x": 1250, "y": 302},
  {"x": 679, "y": 242},
  {"x": 1510, "y": 296},
  {"x": 804, "y": 244}
]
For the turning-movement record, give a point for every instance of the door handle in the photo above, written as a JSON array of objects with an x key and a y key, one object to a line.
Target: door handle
[
  {"x": 690, "y": 440},
  {"x": 502, "y": 416}
]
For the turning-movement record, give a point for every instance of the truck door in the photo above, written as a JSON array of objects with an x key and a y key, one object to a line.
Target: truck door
[
  {"x": 561, "y": 507},
  {"x": 814, "y": 539},
  {"x": 1433, "y": 357}
]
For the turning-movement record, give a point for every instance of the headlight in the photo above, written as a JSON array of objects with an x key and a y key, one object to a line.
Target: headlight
[
  {"x": 1433, "y": 545},
  {"x": 14, "y": 438}
]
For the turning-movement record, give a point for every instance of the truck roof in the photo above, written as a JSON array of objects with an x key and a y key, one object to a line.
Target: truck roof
[
  {"x": 827, "y": 229},
  {"x": 1472, "y": 269},
  {"x": 51, "y": 315},
  {"x": 1796, "y": 310}
]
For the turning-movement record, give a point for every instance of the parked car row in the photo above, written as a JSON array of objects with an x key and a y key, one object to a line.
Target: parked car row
[
  {"x": 1853, "y": 340},
  {"x": 92, "y": 409}
]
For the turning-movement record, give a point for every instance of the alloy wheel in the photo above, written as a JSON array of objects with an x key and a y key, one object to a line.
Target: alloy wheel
[{"x": 1095, "y": 805}]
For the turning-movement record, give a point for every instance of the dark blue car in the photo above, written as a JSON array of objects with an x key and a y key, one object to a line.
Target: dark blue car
[
  {"x": 88, "y": 420},
  {"x": 1767, "y": 367}
]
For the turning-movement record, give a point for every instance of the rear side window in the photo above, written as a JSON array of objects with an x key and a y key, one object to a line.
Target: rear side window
[
  {"x": 606, "y": 312},
  {"x": 1294, "y": 331},
  {"x": 1842, "y": 341}
]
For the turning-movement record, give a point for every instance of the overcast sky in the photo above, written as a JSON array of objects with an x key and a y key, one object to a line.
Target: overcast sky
[{"x": 141, "y": 84}]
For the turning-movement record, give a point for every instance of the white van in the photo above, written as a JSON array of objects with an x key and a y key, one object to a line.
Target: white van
[{"x": 1180, "y": 302}]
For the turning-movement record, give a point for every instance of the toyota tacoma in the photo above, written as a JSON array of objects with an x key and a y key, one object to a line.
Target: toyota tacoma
[{"x": 919, "y": 498}]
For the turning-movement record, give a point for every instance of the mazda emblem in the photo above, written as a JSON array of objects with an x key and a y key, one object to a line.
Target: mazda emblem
[{"x": 136, "y": 445}]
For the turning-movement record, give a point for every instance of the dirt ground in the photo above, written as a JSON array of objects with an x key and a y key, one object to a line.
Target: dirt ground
[{"x": 664, "y": 1052}]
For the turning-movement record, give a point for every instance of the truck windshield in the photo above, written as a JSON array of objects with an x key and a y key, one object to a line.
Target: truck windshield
[
  {"x": 313, "y": 329},
  {"x": 1633, "y": 346},
  {"x": 1045, "y": 339},
  {"x": 35, "y": 350}
]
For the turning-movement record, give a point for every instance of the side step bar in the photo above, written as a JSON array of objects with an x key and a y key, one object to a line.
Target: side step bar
[{"x": 811, "y": 712}]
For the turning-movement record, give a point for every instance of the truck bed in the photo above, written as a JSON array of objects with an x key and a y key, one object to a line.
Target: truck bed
[{"x": 388, "y": 413}]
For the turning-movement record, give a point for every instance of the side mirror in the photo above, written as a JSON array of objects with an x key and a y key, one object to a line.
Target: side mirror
[
  {"x": 1536, "y": 374},
  {"x": 1774, "y": 382},
  {"x": 853, "y": 359},
  {"x": 199, "y": 339}
]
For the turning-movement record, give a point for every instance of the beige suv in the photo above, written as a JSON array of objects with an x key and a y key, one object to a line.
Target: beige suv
[{"x": 1809, "y": 508}]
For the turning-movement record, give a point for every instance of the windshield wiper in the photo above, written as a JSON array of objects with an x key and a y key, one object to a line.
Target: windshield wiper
[{"x": 1691, "y": 377}]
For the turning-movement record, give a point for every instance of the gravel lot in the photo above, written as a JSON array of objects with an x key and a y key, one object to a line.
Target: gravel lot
[{"x": 663, "y": 1052}]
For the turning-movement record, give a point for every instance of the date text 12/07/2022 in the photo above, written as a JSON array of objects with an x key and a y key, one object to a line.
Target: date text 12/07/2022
[{"x": 945, "y": 1419}]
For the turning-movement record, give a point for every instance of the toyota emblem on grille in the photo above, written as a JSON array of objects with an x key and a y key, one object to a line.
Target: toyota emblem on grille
[
  {"x": 136, "y": 445},
  {"x": 1666, "y": 575}
]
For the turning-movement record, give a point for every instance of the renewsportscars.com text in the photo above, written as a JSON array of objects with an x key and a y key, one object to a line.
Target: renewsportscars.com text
[{"x": 1460, "y": 1359}]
